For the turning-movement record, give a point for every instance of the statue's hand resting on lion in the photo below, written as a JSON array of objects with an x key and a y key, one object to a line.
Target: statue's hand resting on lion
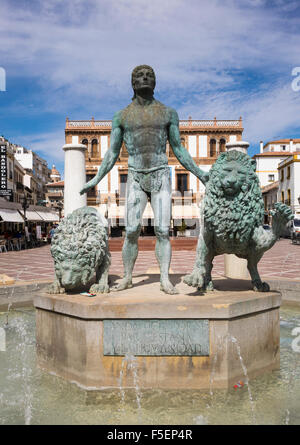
[{"x": 232, "y": 217}]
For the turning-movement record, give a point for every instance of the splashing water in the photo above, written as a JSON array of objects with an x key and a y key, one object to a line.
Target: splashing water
[{"x": 238, "y": 349}]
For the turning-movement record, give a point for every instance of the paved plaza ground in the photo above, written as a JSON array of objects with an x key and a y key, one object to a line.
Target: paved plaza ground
[{"x": 281, "y": 262}]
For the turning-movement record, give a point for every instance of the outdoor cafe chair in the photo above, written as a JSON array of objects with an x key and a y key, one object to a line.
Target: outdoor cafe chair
[{"x": 3, "y": 247}]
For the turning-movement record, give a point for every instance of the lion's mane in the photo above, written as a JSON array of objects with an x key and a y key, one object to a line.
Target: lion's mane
[
  {"x": 80, "y": 237},
  {"x": 233, "y": 217}
]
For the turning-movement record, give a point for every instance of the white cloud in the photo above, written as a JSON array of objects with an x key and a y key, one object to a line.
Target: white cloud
[{"x": 82, "y": 52}]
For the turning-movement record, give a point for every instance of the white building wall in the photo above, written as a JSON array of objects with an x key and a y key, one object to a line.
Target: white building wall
[
  {"x": 292, "y": 183},
  {"x": 193, "y": 145},
  {"x": 103, "y": 185},
  {"x": 114, "y": 179},
  {"x": 295, "y": 192},
  {"x": 104, "y": 145},
  {"x": 265, "y": 167},
  {"x": 206, "y": 168},
  {"x": 25, "y": 159},
  {"x": 232, "y": 138},
  {"x": 203, "y": 146},
  {"x": 193, "y": 182}
]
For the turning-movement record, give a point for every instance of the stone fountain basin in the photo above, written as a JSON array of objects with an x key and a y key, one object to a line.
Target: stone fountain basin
[{"x": 84, "y": 339}]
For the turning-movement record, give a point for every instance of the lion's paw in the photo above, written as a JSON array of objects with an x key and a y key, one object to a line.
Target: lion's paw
[
  {"x": 99, "y": 289},
  {"x": 195, "y": 279},
  {"x": 55, "y": 288},
  {"x": 260, "y": 286},
  {"x": 282, "y": 214}
]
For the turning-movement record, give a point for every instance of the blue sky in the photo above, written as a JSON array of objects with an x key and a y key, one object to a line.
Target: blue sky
[{"x": 226, "y": 58}]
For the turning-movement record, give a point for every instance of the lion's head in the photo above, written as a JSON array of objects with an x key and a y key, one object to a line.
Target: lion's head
[
  {"x": 233, "y": 204},
  {"x": 78, "y": 247}
]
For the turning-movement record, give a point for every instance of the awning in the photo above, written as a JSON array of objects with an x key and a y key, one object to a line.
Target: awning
[
  {"x": 31, "y": 215},
  {"x": 190, "y": 211},
  {"x": 10, "y": 215},
  {"x": 48, "y": 216}
]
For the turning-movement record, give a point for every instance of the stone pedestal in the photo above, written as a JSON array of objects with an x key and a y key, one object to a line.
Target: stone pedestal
[
  {"x": 75, "y": 177},
  {"x": 190, "y": 340}
]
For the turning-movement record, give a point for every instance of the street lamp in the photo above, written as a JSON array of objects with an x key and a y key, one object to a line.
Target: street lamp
[{"x": 25, "y": 204}]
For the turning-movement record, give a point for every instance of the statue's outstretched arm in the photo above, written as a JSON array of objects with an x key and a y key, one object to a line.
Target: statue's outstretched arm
[
  {"x": 181, "y": 153},
  {"x": 109, "y": 160}
]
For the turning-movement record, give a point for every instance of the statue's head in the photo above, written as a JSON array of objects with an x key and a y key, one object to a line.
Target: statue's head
[
  {"x": 233, "y": 203},
  {"x": 143, "y": 78}
]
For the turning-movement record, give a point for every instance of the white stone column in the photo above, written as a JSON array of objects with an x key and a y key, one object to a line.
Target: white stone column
[
  {"x": 238, "y": 145},
  {"x": 75, "y": 177},
  {"x": 235, "y": 267}
]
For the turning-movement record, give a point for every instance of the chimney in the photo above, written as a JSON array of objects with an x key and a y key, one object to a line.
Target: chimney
[{"x": 261, "y": 147}]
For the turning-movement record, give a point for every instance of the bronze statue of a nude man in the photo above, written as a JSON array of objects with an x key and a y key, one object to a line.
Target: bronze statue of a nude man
[{"x": 145, "y": 126}]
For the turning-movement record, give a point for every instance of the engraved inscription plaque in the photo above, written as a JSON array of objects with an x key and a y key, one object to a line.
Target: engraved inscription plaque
[{"x": 156, "y": 337}]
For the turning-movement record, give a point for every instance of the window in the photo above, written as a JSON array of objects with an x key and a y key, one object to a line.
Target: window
[
  {"x": 123, "y": 182},
  {"x": 212, "y": 148},
  {"x": 288, "y": 173},
  {"x": 289, "y": 197},
  {"x": 282, "y": 175},
  {"x": 283, "y": 147},
  {"x": 92, "y": 192},
  {"x": 282, "y": 196},
  {"x": 271, "y": 178},
  {"x": 94, "y": 148},
  {"x": 182, "y": 182},
  {"x": 222, "y": 145}
]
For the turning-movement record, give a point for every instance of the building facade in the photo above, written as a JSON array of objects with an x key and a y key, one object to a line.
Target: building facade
[
  {"x": 289, "y": 184},
  {"x": 35, "y": 167},
  {"x": 204, "y": 140},
  {"x": 270, "y": 156},
  {"x": 55, "y": 192}
]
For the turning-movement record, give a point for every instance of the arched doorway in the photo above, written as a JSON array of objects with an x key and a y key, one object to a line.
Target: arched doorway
[{"x": 94, "y": 148}]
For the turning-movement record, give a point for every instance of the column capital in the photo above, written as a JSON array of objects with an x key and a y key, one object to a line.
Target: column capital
[{"x": 74, "y": 147}]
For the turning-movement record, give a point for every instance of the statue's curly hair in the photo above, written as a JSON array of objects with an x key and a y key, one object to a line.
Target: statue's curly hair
[
  {"x": 80, "y": 237},
  {"x": 233, "y": 217}
]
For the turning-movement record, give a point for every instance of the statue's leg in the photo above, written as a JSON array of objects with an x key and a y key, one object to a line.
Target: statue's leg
[
  {"x": 136, "y": 202},
  {"x": 257, "y": 284},
  {"x": 161, "y": 205},
  {"x": 201, "y": 275}
]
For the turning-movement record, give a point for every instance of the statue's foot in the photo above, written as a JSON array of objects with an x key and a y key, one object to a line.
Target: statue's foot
[
  {"x": 260, "y": 286},
  {"x": 209, "y": 286},
  {"x": 125, "y": 283},
  {"x": 167, "y": 287},
  {"x": 55, "y": 288},
  {"x": 100, "y": 288},
  {"x": 195, "y": 279}
]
